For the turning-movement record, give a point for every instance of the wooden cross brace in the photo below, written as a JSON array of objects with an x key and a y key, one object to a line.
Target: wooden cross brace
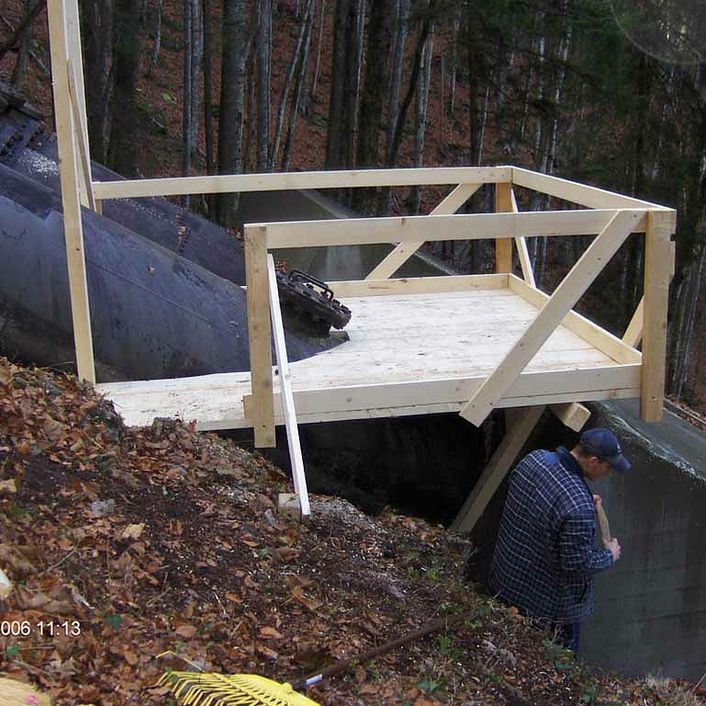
[{"x": 551, "y": 315}]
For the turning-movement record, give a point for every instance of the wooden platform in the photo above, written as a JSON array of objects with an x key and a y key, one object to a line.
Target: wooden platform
[{"x": 411, "y": 353}]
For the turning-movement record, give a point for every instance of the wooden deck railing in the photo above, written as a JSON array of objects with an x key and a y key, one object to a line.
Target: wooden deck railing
[
  {"x": 612, "y": 225},
  {"x": 612, "y": 217}
]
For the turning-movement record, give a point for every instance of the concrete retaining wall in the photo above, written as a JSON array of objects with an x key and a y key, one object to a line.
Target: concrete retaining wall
[{"x": 651, "y": 607}]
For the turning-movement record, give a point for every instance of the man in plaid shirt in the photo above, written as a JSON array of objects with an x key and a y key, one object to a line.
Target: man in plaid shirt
[{"x": 546, "y": 554}]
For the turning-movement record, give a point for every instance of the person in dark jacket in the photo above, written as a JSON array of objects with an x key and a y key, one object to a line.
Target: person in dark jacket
[{"x": 546, "y": 554}]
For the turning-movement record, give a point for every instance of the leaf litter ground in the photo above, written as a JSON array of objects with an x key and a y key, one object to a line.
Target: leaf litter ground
[{"x": 123, "y": 544}]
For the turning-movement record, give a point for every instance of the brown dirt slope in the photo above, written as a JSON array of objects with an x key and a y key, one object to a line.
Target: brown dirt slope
[{"x": 126, "y": 543}]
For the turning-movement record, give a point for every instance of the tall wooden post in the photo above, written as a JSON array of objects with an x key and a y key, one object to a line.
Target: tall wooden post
[
  {"x": 66, "y": 134},
  {"x": 658, "y": 270},
  {"x": 259, "y": 336},
  {"x": 503, "y": 246}
]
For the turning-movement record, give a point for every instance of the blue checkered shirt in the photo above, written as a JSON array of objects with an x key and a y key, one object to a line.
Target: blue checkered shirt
[{"x": 546, "y": 555}]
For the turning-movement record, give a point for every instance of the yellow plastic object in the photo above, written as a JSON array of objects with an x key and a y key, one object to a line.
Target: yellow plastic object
[
  {"x": 17, "y": 693},
  {"x": 205, "y": 689}
]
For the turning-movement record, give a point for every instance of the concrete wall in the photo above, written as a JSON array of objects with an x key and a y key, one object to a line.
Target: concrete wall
[{"x": 651, "y": 607}]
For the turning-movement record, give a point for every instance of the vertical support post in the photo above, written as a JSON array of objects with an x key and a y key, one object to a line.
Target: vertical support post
[
  {"x": 259, "y": 335},
  {"x": 69, "y": 175},
  {"x": 503, "y": 246},
  {"x": 75, "y": 59},
  {"x": 658, "y": 253}
]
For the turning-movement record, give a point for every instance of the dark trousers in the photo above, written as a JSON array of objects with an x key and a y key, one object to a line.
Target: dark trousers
[{"x": 569, "y": 635}]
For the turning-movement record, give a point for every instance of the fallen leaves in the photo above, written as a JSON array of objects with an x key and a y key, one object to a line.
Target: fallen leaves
[
  {"x": 162, "y": 540},
  {"x": 133, "y": 531},
  {"x": 8, "y": 486}
]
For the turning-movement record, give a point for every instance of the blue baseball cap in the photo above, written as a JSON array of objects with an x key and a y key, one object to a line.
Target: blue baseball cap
[{"x": 604, "y": 444}]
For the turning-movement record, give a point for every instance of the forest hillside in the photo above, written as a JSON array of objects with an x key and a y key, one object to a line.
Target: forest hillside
[{"x": 126, "y": 544}]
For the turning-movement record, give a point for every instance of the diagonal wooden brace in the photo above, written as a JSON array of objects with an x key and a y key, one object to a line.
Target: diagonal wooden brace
[
  {"x": 515, "y": 437},
  {"x": 551, "y": 315},
  {"x": 397, "y": 257}
]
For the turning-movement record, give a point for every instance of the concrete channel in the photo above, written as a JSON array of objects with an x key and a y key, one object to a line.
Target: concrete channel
[{"x": 651, "y": 607}]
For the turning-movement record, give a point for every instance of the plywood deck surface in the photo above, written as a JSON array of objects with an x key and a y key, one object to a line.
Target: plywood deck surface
[{"x": 407, "y": 354}]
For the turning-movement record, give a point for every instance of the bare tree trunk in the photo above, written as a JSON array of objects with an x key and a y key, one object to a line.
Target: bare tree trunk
[
  {"x": 688, "y": 294},
  {"x": 393, "y": 107},
  {"x": 393, "y": 103},
  {"x": 157, "y": 34},
  {"x": 411, "y": 88},
  {"x": 358, "y": 44},
  {"x": 122, "y": 155},
  {"x": 31, "y": 12},
  {"x": 300, "y": 88},
  {"x": 311, "y": 93},
  {"x": 193, "y": 55},
  {"x": 97, "y": 32},
  {"x": 295, "y": 62},
  {"x": 264, "y": 50},
  {"x": 230, "y": 127},
  {"x": 339, "y": 123},
  {"x": 476, "y": 69},
  {"x": 422, "y": 104},
  {"x": 186, "y": 126},
  {"x": 20, "y": 70},
  {"x": 208, "y": 86},
  {"x": 483, "y": 124},
  {"x": 456, "y": 26},
  {"x": 373, "y": 94}
]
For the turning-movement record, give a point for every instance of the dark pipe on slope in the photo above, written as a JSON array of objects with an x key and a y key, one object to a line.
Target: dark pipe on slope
[{"x": 153, "y": 313}]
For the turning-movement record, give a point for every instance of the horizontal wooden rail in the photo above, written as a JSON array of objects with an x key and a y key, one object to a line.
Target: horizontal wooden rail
[
  {"x": 473, "y": 226},
  {"x": 573, "y": 192},
  {"x": 231, "y": 183}
]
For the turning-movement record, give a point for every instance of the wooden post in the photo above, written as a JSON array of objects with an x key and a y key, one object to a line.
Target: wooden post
[
  {"x": 397, "y": 257},
  {"x": 69, "y": 171},
  {"x": 503, "y": 246},
  {"x": 263, "y": 415},
  {"x": 285, "y": 384},
  {"x": 658, "y": 253},
  {"x": 551, "y": 315},
  {"x": 515, "y": 437}
]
